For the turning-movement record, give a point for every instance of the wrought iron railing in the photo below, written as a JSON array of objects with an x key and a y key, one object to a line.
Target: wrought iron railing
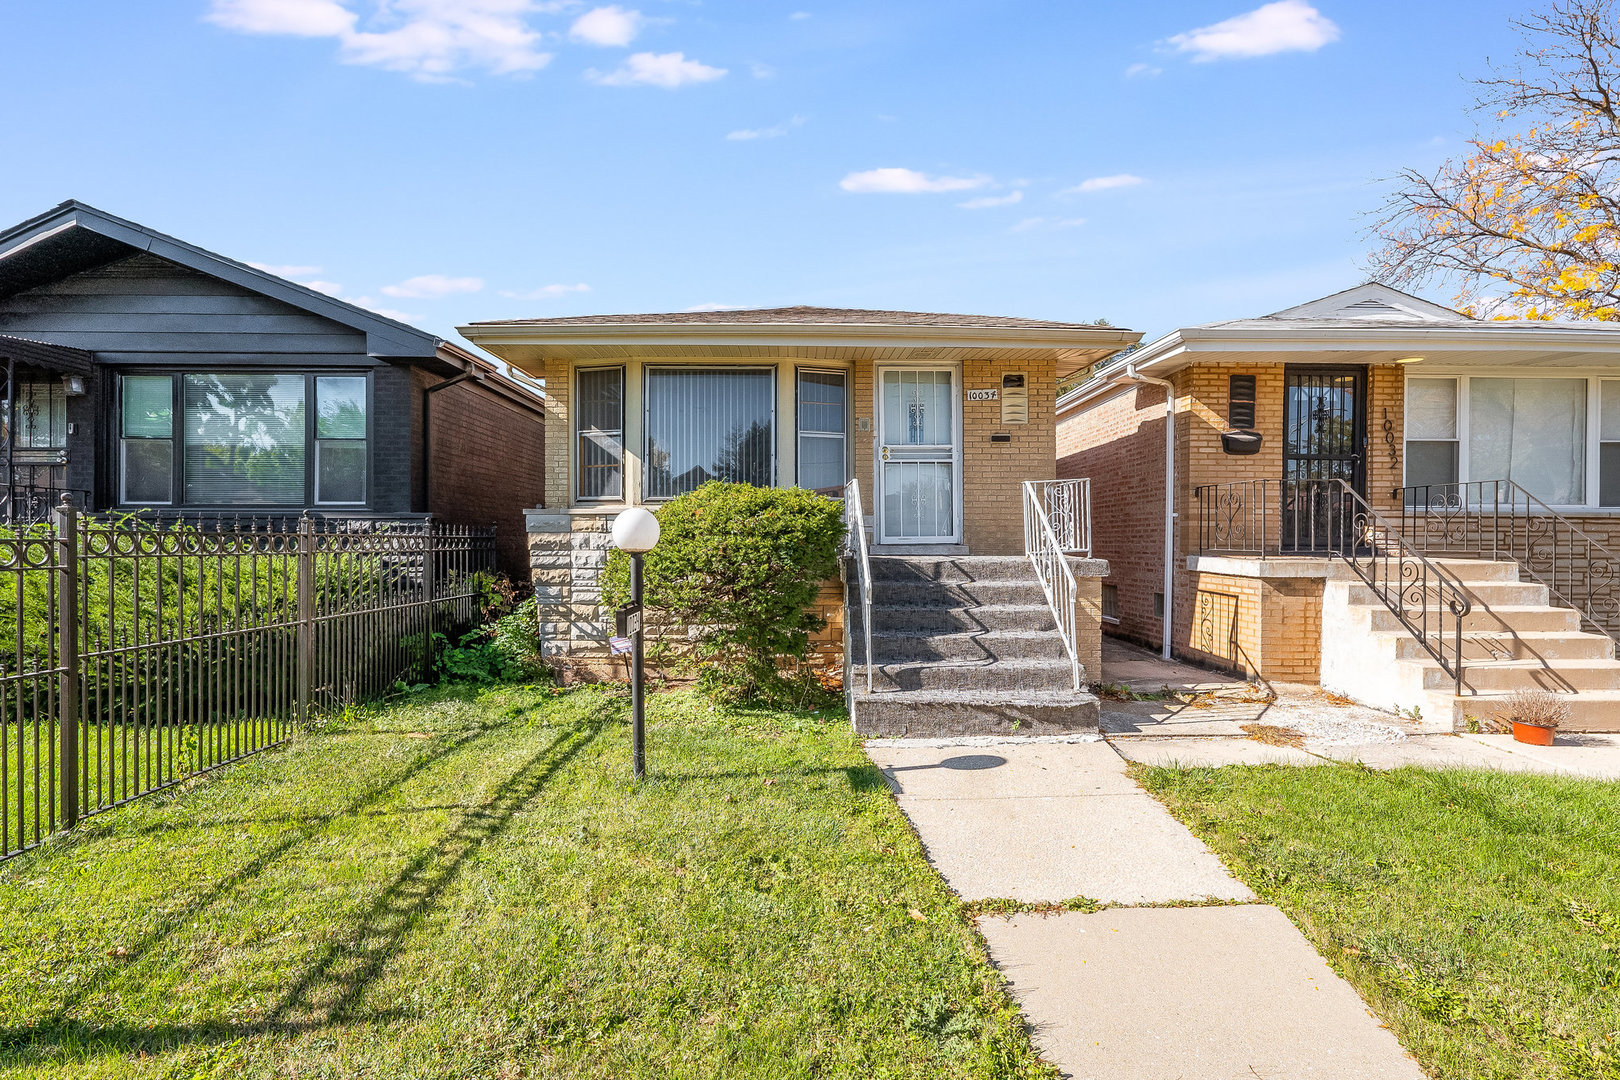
[
  {"x": 1498, "y": 519},
  {"x": 1067, "y": 504},
  {"x": 137, "y": 655},
  {"x": 1044, "y": 546},
  {"x": 855, "y": 524},
  {"x": 1327, "y": 518},
  {"x": 32, "y": 503}
]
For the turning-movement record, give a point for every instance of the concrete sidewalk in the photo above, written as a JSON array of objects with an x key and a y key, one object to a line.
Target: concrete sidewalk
[{"x": 1153, "y": 993}]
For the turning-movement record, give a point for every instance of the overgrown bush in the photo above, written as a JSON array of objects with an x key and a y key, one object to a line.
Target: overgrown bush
[
  {"x": 741, "y": 566},
  {"x": 505, "y": 647}
]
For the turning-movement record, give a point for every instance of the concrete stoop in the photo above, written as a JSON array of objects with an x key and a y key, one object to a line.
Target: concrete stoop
[
  {"x": 1514, "y": 638},
  {"x": 964, "y": 645}
]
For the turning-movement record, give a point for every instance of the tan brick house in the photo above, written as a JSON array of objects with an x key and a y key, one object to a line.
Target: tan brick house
[
  {"x": 939, "y": 419},
  {"x": 1342, "y": 473}
]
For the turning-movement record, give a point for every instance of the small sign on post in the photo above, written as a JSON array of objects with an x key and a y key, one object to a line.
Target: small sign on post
[{"x": 627, "y": 620}]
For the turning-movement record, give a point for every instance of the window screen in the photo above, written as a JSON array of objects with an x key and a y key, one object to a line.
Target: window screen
[
  {"x": 340, "y": 439},
  {"x": 709, "y": 425},
  {"x": 1431, "y": 434},
  {"x": 821, "y": 430},
  {"x": 243, "y": 439},
  {"x": 599, "y": 422},
  {"x": 146, "y": 438}
]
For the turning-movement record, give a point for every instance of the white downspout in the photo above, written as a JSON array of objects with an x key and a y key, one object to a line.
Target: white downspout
[{"x": 1169, "y": 498}]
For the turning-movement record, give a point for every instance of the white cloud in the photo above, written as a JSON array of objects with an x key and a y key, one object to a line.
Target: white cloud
[
  {"x": 907, "y": 182},
  {"x": 984, "y": 202},
  {"x": 1048, "y": 223},
  {"x": 330, "y": 288},
  {"x": 1143, "y": 71},
  {"x": 607, "y": 26},
  {"x": 668, "y": 70},
  {"x": 761, "y": 71},
  {"x": 718, "y": 307},
  {"x": 371, "y": 304},
  {"x": 1104, "y": 183},
  {"x": 798, "y": 16},
  {"x": 1282, "y": 26},
  {"x": 430, "y": 40},
  {"x": 305, "y": 18},
  {"x": 433, "y": 286},
  {"x": 548, "y": 292},
  {"x": 775, "y": 132}
]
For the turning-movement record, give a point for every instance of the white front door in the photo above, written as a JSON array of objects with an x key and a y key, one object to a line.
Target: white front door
[{"x": 919, "y": 458}]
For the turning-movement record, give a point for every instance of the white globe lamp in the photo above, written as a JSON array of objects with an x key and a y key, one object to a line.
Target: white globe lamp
[{"x": 635, "y": 530}]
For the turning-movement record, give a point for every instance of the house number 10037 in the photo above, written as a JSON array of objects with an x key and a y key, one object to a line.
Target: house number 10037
[{"x": 983, "y": 395}]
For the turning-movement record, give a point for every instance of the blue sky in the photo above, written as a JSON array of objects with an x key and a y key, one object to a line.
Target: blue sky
[{"x": 454, "y": 160}]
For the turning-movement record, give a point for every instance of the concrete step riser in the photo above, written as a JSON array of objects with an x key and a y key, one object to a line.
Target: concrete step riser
[
  {"x": 1047, "y": 676},
  {"x": 1564, "y": 679},
  {"x": 1586, "y": 713},
  {"x": 1382, "y": 619},
  {"x": 874, "y": 716},
  {"x": 1488, "y": 594},
  {"x": 964, "y": 570},
  {"x": 1573, "y": 647},
  {"x": 1471, "y": 570},
  {"x": 966, "y": 594},
  {"x": 956, "y": 620},
  {"x": 901, "y": 649}
]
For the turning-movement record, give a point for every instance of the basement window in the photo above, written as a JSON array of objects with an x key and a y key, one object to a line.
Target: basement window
[
  {"x": 1158, "y": 605},
  {"x": 1110, "y": 602}
]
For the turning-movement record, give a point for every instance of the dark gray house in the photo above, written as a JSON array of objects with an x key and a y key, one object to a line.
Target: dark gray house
[{"x": 146, "y": 374}]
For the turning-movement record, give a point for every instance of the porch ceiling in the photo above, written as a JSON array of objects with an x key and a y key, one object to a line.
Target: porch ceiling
[{"x": 43, "y": 355}]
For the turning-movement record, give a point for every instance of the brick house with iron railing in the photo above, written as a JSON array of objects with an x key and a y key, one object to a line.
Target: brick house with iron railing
[{"x": 1370, "y": 492}]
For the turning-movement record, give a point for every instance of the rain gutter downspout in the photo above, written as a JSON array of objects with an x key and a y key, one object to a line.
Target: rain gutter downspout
[{"x": 1169, "y": 498}]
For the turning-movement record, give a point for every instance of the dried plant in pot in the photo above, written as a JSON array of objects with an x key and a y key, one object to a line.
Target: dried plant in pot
[{"x": 1536, "y": 715}]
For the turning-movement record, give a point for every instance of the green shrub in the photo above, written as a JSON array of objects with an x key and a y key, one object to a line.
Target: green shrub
[{"x": 741, "y": 565}]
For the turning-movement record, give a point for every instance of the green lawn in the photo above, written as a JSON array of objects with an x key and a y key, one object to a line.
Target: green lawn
[
  {"x": 469, "y": 885},
  {"x": 1478, "y": 913}
]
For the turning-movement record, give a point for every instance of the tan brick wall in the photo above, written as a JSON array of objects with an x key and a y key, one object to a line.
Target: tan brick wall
[
  {"x": 993, "y": 473},
  {"x": 1119, "y": 444},
  {"x": 559, "y": 488},
  {"x": 1265, "y": 628}
]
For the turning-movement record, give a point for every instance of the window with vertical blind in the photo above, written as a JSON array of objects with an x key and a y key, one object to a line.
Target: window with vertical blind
[
  {"x": 821, "y": 401},
  {"x": 244, "y": 439},
  {"x": 599, "y": 429},
  {"x": 708, "y": 424}
]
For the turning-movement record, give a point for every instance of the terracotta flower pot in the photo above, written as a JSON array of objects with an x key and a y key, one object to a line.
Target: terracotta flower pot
[{"x": 1530, "y": 733}]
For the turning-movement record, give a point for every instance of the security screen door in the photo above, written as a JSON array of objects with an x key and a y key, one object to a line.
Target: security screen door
[
  {"x": 1324, "y": 440},
  {"x": 919, "y": 456}
]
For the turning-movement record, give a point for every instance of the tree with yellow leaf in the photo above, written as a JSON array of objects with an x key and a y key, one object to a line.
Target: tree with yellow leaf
[{"x": 1528, "y": 224}]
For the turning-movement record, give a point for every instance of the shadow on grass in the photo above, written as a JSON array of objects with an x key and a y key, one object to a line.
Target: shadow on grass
[
  {"x": 327, "y": 992},
  {"x": 861, "y": 777}
]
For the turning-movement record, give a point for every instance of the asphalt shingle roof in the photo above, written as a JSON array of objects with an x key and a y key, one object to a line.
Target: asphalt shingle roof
[{"x": 810, "y": 316}]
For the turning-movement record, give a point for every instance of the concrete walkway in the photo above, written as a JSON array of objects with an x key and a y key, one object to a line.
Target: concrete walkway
[{"x": 1163, "y": 992}]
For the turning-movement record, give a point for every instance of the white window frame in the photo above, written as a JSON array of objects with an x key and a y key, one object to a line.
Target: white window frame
[
  {"x": 799, "y": 432},
  {"x": 646, "y": 414},
  {"x": 573, "y": 445},
  {"x": 1594, "y": 420}
]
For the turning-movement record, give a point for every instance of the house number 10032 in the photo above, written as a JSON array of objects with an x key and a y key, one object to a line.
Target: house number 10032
[{"x": 983, "y": 395}]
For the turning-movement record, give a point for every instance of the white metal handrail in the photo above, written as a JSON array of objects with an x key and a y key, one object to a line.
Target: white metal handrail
[
  {"x": 1050, "y": 555},
  {"x": 854, "y": 521},
  {"x": 1068, "y": 507}
]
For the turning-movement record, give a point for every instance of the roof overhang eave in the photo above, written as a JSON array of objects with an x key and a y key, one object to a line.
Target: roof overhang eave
[{"x": 652, "y": 335}]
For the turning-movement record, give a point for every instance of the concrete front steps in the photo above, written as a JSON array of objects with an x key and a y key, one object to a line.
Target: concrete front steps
[
  {"x": 1514, "y": 638},
  {"x": 962, "y": 645}
]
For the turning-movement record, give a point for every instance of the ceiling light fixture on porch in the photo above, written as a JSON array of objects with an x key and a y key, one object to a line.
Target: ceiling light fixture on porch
[{"x": 1410, "y": 360}]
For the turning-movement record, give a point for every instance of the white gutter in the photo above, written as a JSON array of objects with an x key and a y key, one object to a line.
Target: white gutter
[{"x": 1169, "y": 500}]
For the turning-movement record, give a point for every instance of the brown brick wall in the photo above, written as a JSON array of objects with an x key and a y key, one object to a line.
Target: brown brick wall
[
  {"x": 487, "y": 467},
  {"x": 1119, "y": 444}
]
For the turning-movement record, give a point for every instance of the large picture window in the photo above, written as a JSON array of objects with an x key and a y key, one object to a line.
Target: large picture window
[
  {"x": 821, "y": 430},
  {"x": 599, "y": 412},
  {"x": 1532, "y": 431},
  {"x": 229, "y": 439},
  {"x": 709, "y": 424}
]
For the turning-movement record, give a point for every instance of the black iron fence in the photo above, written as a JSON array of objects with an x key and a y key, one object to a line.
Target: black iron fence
[
  {"x": 1327, "y": 518},
  {"x": 136, "y": 655},
  {"x": 1498, "y": 519}
]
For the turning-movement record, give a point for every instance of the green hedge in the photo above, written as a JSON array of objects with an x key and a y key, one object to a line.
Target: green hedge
[{"x": 742, "y": 565}]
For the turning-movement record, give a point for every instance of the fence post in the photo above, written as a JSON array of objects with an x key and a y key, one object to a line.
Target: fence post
[
  {"x": 430, "y": 588},
  {"x": 67, "y": 644},
  {"x": 306, "y": 613}
]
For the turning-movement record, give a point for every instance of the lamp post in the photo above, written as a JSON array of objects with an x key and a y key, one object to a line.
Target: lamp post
[{"x": 636, "y": 531}]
